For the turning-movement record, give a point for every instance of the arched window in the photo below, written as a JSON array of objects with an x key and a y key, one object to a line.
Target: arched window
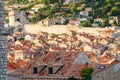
[{"x": 18, "y": 19}]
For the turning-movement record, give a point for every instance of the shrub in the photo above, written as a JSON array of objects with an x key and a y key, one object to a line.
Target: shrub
[
  {"x": 72, "y": 78},
  {"x": 86, "y": 72},
  {"x": 85, "y": 24},
  {"x": 21, "y": 38}
]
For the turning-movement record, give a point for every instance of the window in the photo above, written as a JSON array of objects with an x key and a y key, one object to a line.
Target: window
[
  {"x": 18, "y": 19},
  {"x": 50, "y": 70},
  {"x": 45, "y": 52},
  {"x": 35, "y": 70}
]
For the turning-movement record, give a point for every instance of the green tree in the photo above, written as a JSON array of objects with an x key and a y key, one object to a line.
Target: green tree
[
  {"x": 60, "y": 1},
  {"x": 86, "y": 72},
  {"x": 73, "y": 7},
  {"x": 50, "y": 15},
  {"x": 72, "y": 78},
  {"x": 107, "y": 7},
  {"x": 64, "y": 14},
  {"x": 115, "y": 23},
  {"x": 18, "y": 1},
  {"x": 117, "y": 4},
  {"x": 26, "y": 8},
  {"x": 102, "y": 24},
  {"x": 6, "y": 20},
  {"x": 114, "y": 11},
  {"x": 33, "y": 20},
  {"x": 119, "y": 25},
  {"x": 48, "y": 1},
  {"x": 44, "y": 1},
  {"x": 85, "y": 24},
  {"x": 97, "y": 4},
  {"x": 105, "y": 22},
  {"x": 90, "y": 20},
  {"x": 37, "y": 1},
  {"x": 109, "y": 1},
  {"x": 66, "y": 22}
]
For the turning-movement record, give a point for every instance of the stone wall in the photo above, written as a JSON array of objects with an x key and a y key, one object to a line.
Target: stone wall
[
  {"x": 110, "y": 73},
  {"x": 3, "y": 57},
  {"x": 56, "y": 29},
  {"x": 11, "y": 77}
]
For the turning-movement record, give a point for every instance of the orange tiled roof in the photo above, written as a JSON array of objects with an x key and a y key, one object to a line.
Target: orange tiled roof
[
  {"x": 13, "y": 66},
  {"x": 69, "y": 69},
  {"x": 65, "y": 7},
  {"x": 31, "y": 15},
  {"x": 109, "y": 31},
  {"x": 59, "y": 13}
]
